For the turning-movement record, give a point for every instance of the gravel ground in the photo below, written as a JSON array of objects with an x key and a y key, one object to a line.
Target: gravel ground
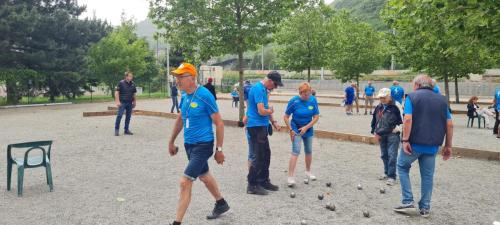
[
  {"x": 92, "y": 169},
  {"x": 334, "y": 119}
]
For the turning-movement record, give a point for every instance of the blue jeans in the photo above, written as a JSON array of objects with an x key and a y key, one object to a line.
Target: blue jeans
[
  {"x": 427, "y": 163},
  {"x": 198, "y": 155},
  {"x": 127, "y": 108},
  {"x": 296, "y": 145},
  {"x": 389, "y": 145}
]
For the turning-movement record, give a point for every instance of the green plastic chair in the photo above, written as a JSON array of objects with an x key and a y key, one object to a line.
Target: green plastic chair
[{"x": 27, "y": 162}]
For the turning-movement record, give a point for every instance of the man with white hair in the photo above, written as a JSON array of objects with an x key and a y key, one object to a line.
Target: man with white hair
[{"x": 427, "y": 121}]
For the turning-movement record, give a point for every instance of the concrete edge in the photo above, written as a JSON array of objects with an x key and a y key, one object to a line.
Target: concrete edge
[
  {"x": 34, "y": 105},
  {"x": 361, "y": 106},
  {"x": 457, "y": 151}
]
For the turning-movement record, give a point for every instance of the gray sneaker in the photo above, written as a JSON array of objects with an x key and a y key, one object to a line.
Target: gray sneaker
[
  {"x": 425, "y": 213},
  {"x": 390, "y": 182},
  {"x": 405, "y": 208}
]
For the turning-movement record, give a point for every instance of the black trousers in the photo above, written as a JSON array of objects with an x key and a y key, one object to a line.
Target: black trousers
[
  {"x": 497, "y": 122},
  {"x": 259, "y": 169}
]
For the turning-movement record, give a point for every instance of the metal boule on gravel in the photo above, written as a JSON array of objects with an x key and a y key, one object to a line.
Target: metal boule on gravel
[
  {"x": 330, "y": 206},
  {"x": 366, "y": 214},
  {"x": 306, "y": 181},
  {"x": 360, "y": 187},
  {"x": 382, "y": 190},
  {"x": 303, "y": 222},
  {"x": 329, "y": 184},
  {"x": 321, "y": 196},
  {"x": 292, "y": 195}
]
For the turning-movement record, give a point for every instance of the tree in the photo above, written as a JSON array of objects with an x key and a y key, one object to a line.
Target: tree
[
  {"x": 432, "y": 36},
  {"x": 46, "y": 37},
  {"x": 302, "y": 39},
  {"x": 355, "y": 48},
  {"x": 116, "y": 53},
  {"x": 217, "y": 27}
]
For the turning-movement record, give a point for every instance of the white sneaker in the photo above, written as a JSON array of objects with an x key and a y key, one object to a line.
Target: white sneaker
[
  {"x": 310, "y": 176},
  {"x": 291, "y": 181},
  {"x": 390, "y": 182}
]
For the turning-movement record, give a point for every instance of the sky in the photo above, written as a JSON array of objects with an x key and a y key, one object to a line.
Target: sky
[{"x": 111, "y": 10}]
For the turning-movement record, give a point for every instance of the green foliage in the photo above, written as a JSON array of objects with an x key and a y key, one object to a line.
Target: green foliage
[
  {"x": 118, "y": 52},
  {"x": 442, "y": 37},
  {"x": 46, "y": 37},
  {"x": 356, "y": 48},
  {"x": 302, "y": 39},
  {"x": 365, "y": 10}
]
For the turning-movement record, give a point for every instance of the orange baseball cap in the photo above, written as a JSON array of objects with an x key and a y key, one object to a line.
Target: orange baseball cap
[{"x": 185, "y": 68}]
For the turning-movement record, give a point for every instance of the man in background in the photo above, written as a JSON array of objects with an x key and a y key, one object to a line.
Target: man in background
[
  {"x": 397, "y": 92},
  {"x": 174, "y": 93},
  {"x": 211, "y": 87},
  {"x": 125, "y": 101},
  {"x": 368, "y": 95}
]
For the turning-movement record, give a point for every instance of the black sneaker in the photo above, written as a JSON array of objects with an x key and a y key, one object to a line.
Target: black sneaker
[
  {"x": 270, "y": 187},
  {"x": 256, "y": 190},
  {"x": 425, "y": 213},
  {"x": 219, "y": 209},
  {"x": 405, "y": 208},
  {"x": 127, "y": 132},
  {"x": 117, "y": 132}
]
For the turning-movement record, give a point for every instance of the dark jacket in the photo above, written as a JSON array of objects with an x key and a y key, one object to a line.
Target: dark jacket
[
  {"x": 471, "y": 110},
  {"x": 211, "y": 88},
  {"x": 126, "y": 91},
  {"x": 385, "y": 120},
  {"x": 173, "y": 91}
]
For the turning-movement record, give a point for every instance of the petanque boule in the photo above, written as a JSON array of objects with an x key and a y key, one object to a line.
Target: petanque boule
[
  {"x": 292, "y": 195},
  {"x": 360, "y": 187},
  {"x": 303, "y": 222},
  {"x": 329, "y": 184},
  {"x": 366, "y": 214},
  {"x": 330, "y": 206},
  {"x": 306, "y": 181},
  {"x": 382, "y": 190},
  {"x": 321, "y": 196}
]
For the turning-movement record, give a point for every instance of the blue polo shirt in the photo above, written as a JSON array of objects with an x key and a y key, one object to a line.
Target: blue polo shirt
[
  {"x": 369, "y": 90},
  {"x": 436, "y": 89},
  {"x": 257, "y": 95},
  {"x": 497, "y": 98},
  {"x": 246, "y": 90},
  {"x": 302, "y": 113},
  {"x": 424, "y": 149},
  {"x": 197, "y": 109},
  {"x": 349, "y": 92},
  {"x": 397, "y": 93}
]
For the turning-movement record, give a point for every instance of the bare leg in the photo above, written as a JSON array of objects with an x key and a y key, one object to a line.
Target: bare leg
[
  {"x": 308, "y": 162},
  {"x": 291, "y": 165},
  {"x": 211, "y": 185},
  {"x": 185, "y": 198}
]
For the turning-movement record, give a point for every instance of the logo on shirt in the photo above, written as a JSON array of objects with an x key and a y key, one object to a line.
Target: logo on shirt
[
  {"x": 194, "y": 104},
  {"x": 310, "y": 107}
]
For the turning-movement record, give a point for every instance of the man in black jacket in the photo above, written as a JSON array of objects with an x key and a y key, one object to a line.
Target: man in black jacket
[
  {"x": 211, "y": 87},
  {"x": 125, "y": 101},
  {"x": 385, "y": 124}
]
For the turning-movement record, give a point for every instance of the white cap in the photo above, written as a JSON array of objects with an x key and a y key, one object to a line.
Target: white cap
[{"x": 384, "y": 92}]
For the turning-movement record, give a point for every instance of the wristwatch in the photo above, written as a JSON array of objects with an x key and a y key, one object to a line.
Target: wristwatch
[{"x": 218, "y": 149}]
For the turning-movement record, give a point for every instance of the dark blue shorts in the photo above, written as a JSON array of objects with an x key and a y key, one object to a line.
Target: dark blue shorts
[
  {"x": 198, "y": 155},
  {"x": 349, "y": 101}
]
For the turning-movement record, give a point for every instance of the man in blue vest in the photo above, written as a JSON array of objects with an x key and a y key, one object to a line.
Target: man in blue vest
[
  {"x": 427, "y": 121},
  {"x": 397, "y": 92},
  {"x": 198, "y": 112},
  {"x": 125, "y": 101},
  {"x": 496, "y": 104}
]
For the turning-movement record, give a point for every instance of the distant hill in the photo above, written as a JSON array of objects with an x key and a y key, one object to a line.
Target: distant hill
[
  {"x": 147, "y": 30},
  {"x": 366, "y": 10}
]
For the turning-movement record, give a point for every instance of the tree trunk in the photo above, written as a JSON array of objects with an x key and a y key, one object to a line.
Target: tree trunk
[
  {"x": 12, "y": 94},
  {"x": 309, "y": 74},
  {"x": 447, "y": 88},
  {"x": 241, "y": 92},
  {"x": 457, "y": 97}
]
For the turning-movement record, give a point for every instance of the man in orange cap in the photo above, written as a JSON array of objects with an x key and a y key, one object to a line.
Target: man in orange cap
[{"x": 198, "y": 111}]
